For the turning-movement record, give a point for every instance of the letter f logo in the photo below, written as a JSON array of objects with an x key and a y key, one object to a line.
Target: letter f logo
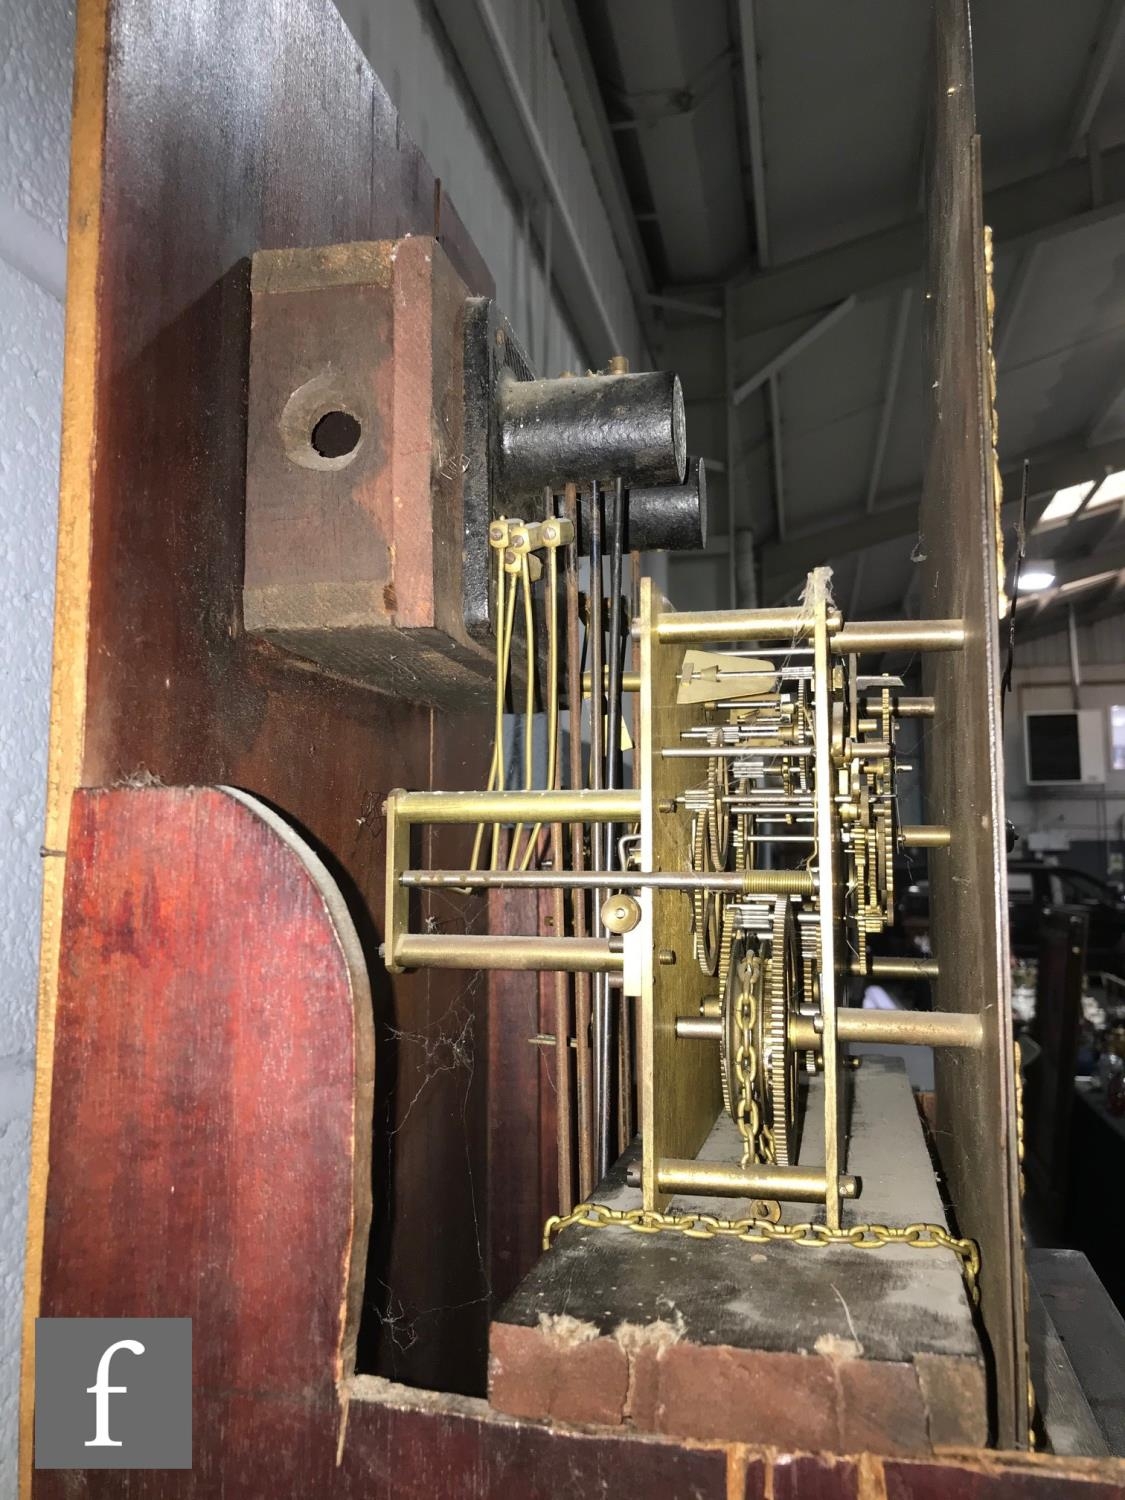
[{"x": 101, "y": 1390}]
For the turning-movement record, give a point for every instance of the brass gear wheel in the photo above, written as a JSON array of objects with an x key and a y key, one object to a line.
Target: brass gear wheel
[
  {"x": 889, "y": 836},
  {"x": 778, "y": 1061},
  {"x": 735, "y": 1000},
  {"x": 706, "y": 907},
  {"x": 718, "y": 811}
]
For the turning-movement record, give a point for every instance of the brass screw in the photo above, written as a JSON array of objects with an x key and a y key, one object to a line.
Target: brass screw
[
  {"x": 549, "y": 533},
  {"x": 666, "y": 956},
  {"x": 496, "y": 533},
  {"x": 666, "y": 806}
]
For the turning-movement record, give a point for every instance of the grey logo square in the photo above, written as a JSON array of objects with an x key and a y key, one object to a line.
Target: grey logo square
[{"x": 113, "y": 1393}]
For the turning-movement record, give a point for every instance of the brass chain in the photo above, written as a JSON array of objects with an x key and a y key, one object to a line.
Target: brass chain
[
  {"x": 748, "y": 1114},
  {"x": 756, "y": 1231},
  {"x": 764, "y": 1232}
]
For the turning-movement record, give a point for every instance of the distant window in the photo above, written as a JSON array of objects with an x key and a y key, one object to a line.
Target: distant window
[
  {"x": 1052, "y": 747},
  {"x": 1021, "y": 885},
  {"x": 1117, "y": 736}
]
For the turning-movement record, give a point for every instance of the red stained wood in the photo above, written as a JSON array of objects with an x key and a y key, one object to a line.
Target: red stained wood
[
  {"x": 984, "y": 1481},
  {"x": 805, "y": 1476},
  {"x": 521, "y": 1141},
  {"x": 230, "y": 129},
  {"x": 210, "y": 1124},
  {"x": 417, "y": 1455},
  {"x": 212, "y": 1043}
]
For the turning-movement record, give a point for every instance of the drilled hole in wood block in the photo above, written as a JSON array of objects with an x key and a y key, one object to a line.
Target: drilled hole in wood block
[
  {"x": 318, "y": 426},
  {"x": 336, "y": 434}
]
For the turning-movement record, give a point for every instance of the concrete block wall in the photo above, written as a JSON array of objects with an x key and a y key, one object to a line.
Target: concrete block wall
[{"x": 36, "y": 44}]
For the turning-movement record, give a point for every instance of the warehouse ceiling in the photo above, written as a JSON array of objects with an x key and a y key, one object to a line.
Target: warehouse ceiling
[{"x": 772, "y": 154}]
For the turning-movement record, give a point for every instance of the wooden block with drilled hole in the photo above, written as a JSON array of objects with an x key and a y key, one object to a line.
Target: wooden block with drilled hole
[{"x": 354, "y": 527}]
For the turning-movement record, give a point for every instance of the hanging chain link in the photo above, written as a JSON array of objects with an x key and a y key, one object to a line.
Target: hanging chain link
[
  {"x": 753, "y": 1231},
  {"x": 748, "y": 1114}
]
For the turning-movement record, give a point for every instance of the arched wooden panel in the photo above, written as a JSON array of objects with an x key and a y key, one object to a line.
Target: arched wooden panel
[{"x": 211, "y": 1131}]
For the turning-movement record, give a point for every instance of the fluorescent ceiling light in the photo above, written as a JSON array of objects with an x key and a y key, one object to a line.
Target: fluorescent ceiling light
[
  {"x": 1112, "y": 488},
  {"x": 1065, "y": 502},
  {"x": 1035, "y": 577}
]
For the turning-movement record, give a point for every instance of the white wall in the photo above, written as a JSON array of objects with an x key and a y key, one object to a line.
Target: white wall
[
  {"x": 36, "y": 41},
  {"x": 407, "y": 49},
  {"x": 1089, "y": 817}
]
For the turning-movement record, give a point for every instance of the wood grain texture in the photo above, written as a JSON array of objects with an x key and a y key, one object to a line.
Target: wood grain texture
[
  {"x": 202, "y": 134},
  {"x": 804, "y": 1477},
  {"x": 984, "y": 1481},
  {"x": 975, "y": 1089},
  {"x": 413, "y": 1451},
  {"x": 355, "y": 561},
  {"x": 210, "y": 1151},
  {"x": 520, "y": 1116}
]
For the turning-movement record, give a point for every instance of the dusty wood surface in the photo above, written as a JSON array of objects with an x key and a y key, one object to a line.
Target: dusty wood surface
[
  {"x": 831, "y": 1347},
  {"x": 1091, "y": 1331},
  {"x": 1064, "y": 1411}
]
